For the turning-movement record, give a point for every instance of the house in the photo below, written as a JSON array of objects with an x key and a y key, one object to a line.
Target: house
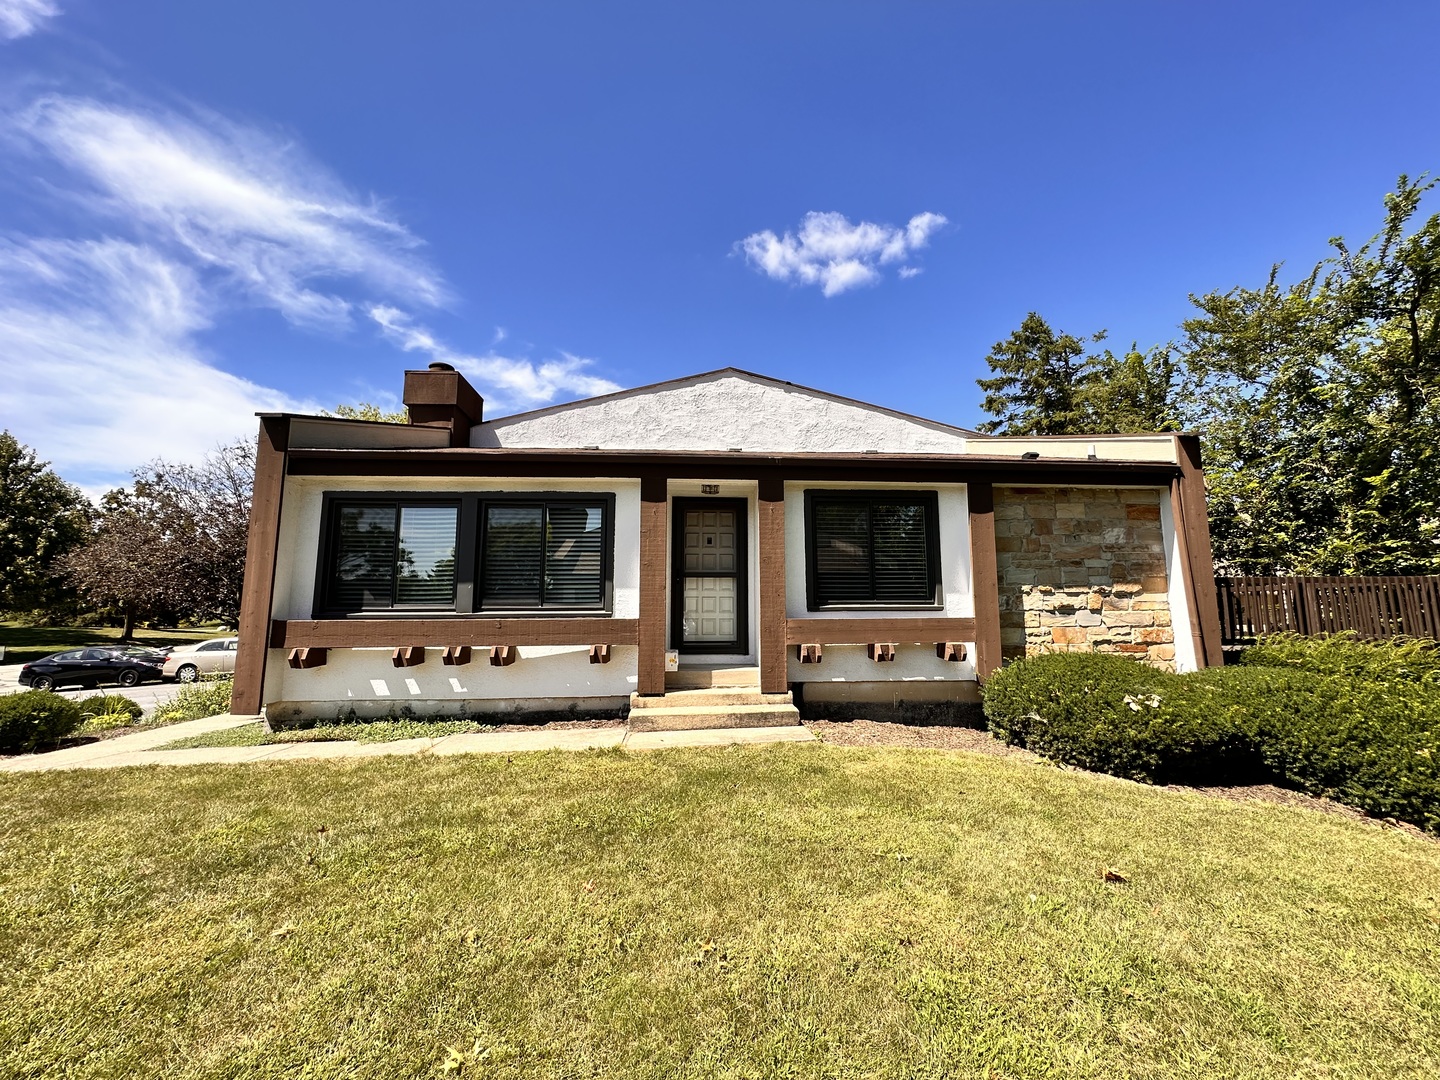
[{"x": 720, "y": 549}]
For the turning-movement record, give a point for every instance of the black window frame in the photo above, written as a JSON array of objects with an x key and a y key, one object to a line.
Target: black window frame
[
  {"x": 469, "y": 524},
  {"x": 334, "y": 503},
  {"x": 606, "y": 502},
  {"x": 930, "y": 500}
]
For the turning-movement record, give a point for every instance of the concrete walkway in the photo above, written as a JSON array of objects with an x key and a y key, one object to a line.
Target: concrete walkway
[{"x": 139, "y": 749}]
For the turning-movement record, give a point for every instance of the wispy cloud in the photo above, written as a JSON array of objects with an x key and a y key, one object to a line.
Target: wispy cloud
[
  {"x": 98, "y": 338},
  {"x": 246, "y": 206},
  {"x": 177, "y": 220},
  {"x": 519, "y": 382},
  {"x": 829, "y": 251},
  {"x": 20, "y": 18}
]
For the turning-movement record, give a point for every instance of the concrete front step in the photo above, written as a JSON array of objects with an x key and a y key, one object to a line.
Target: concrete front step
[
  {"x": 716, "y": 698},
  {"x": 704, "y": 678},
  {"x": 696, "y": 717}
]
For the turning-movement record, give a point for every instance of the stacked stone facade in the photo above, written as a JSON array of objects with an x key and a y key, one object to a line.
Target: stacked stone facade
[{"x": 1083, "y": 570}]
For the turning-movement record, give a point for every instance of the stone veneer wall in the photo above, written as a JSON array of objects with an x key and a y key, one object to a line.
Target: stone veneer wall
[{"x": 1082, "y": 570}]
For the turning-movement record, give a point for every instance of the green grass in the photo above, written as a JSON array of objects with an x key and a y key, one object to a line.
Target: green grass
[
  {"x": 26, "y": 643},
  {"x": 369, "y": 731},
  {"x": 783, "y": 911}
]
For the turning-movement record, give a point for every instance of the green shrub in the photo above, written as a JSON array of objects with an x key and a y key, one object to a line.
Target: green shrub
[
  {"x": 106, "y": 722},
  {"x": 114, "y": 704},
  {"x": 1407, "y": 659},
  {"x": 1374, "y": 745},
  {"x": 36, "y": 720},
  {"x": 1112, "y": 714},
  {"x": 195, "y": 701}
]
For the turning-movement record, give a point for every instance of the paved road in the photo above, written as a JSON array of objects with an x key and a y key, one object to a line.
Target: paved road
[{"x": 147, "y": 695}]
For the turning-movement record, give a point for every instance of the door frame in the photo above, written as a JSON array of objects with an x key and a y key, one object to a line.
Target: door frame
[{"x": 679, "y": 505}]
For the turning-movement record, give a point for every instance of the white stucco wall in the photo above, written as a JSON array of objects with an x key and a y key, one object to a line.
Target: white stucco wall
[
  {"x": 548, "y": 672},
  {"x": 725, "y": 411},
  {"x": 913, "y": 662},
  {"x": 1176, "y": 574}
]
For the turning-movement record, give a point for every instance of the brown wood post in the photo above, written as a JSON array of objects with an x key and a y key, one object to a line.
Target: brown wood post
[
  {"x": 1193, "y": 519},
  {"x": 774, "y": 663},
  {"x": 258, "y": 591},
  {"x": 654, "y": 573},
  {"x": 985, "y": 574}
]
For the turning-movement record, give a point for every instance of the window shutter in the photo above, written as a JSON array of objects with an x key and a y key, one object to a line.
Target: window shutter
[
  {"x": 426, "y": 556},
  {"x": 364, "y": 562},
  {"x": 512, "y": 556},
  {"x": 901, "y": 554},
  {"x": 842, "y": 551},
  {"x": 574, "y": 552}
]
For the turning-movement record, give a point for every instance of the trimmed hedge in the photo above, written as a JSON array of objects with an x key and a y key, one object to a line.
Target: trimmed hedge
[
  {"x": 36, "y": 720},
  {"x": 1406, "y": 659},
  {"x": 1373, "y": 745}
]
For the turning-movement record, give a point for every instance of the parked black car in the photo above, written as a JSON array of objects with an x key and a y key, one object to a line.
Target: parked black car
[{"x": 92, "y": 667}]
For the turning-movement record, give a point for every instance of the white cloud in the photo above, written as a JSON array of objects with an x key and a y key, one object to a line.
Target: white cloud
[
  {"x": 240, "y": 204},
  {"x": 909, "y": 271},
  {"x": 511, "y": 381},
  {"x": 182, "y": 219},
  {"x": 831, "y": 252},
  {"x": 101, "y": 369},
  {"x": 20, "y": 18}
]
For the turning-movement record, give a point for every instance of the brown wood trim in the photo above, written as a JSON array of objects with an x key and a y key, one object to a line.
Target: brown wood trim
[
  {"x": 306, "y": 658},
  {"x": 985, "y": 574},
  {"x": 654, "y": 573},
  {"x": 953, "y": 651},
  {"x": 869, "y": 631},
  {"x": 1192, "y": 521},
  {"x": 408, "y": 655},
  {"x": 774, "y": 663},
  {"x": 916, "y": 468},
  {"x": 455, "y": 655},
  {"x": 599, "y": 654},
  {"x": 384, "y": 633},
  {"x": 503, "y": 655},
  {"x": 257, "y": 593}
]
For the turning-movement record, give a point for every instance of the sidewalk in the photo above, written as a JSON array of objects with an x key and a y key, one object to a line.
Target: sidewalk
[{"x": 139, "y": 749}]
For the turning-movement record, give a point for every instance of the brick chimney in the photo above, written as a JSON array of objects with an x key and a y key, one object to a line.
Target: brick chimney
[{"x": 440, "y": 397}]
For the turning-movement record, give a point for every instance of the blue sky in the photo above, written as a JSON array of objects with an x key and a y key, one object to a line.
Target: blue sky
[{"x": 208, "y": 209}]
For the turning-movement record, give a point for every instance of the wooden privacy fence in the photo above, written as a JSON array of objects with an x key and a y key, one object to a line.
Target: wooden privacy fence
[{"x": 1373, "y": 607}]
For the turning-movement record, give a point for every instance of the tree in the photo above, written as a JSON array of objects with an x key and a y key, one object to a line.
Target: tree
[
  {"x": 173, "y": 544},
  {"x": 366, "y": 411},
  {"x": 1044, "y": 383},
  {"x": 1319, "y": 403},
  {"x": 1039, "y": 383},
  {"x": 41, "y": 517}
]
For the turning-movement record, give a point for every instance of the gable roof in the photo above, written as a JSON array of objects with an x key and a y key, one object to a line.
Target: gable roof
[{"x": 726, "y": 409}]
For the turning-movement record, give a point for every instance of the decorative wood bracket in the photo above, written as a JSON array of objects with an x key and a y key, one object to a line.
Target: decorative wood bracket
[
  {"x": 881, "y": 651},
  {"x": 456, "y": 655},
  {"x": 307, "y": 658},
  {"x": 809, "y": 654},
  {"x": 599, "y": 654},
  {"x": 503, "y": 655},
  {"x": 408, "y": 655},
  {"x": 954, "y": 651}
]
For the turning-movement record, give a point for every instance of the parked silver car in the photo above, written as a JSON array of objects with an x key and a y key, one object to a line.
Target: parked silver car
[{"x": 188, "y": 662}]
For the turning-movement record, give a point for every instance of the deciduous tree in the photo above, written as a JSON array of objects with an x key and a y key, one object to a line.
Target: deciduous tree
[{"x": 41, "y": 517}]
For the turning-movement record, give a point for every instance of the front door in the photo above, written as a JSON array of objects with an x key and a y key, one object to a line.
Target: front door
[{"x": 708, "y": 583}]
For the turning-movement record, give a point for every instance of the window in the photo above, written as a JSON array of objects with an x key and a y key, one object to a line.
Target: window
[
  {"x": 550, "y": 553},
  {"x": 388, "y": 553},
  {"x": 396, "y": 554},
  {"x": 871, "y": 549}
]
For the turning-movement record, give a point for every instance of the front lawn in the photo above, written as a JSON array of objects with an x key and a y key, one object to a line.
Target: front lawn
[
  {"x": 26, "y": 643},
  {"x": 769, "y": 911}
]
